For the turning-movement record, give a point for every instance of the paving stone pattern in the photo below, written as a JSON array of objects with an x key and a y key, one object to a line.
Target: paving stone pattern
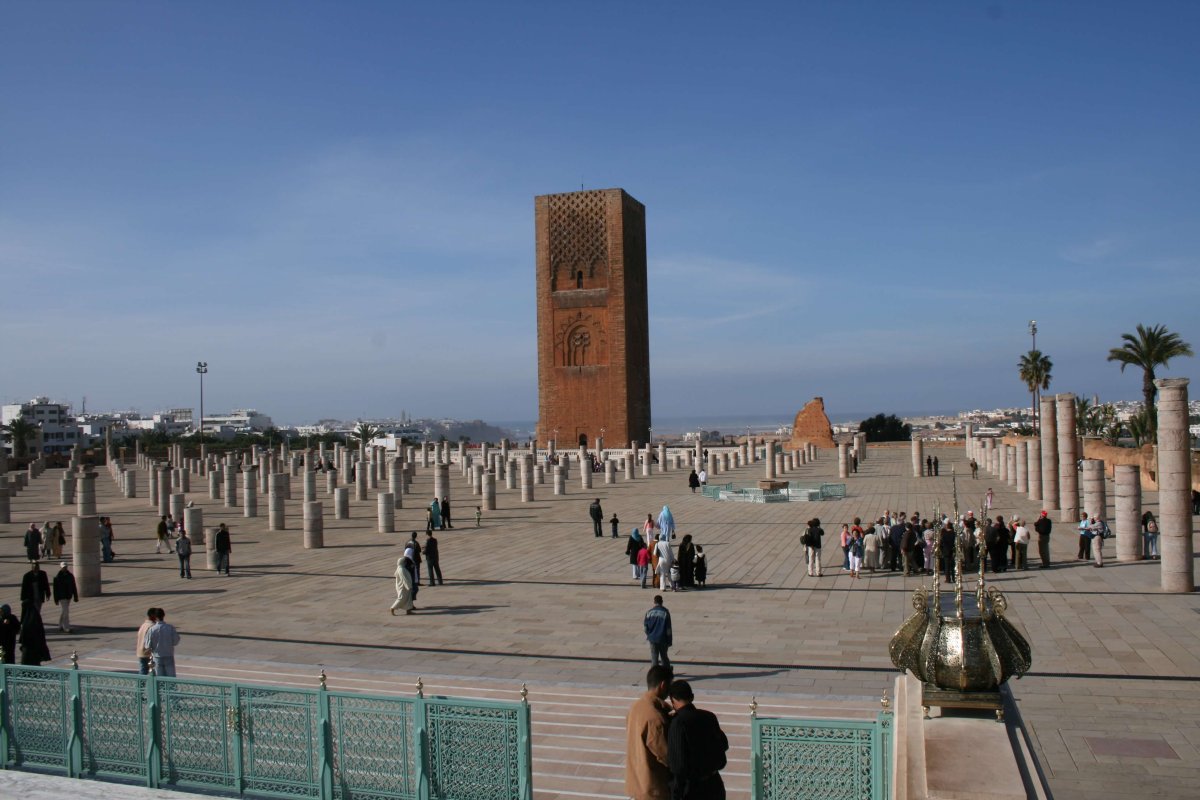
[{"x": 533, "y": 597}]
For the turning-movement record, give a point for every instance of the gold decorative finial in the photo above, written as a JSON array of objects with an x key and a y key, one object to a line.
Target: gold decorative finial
[
  {"x": 322, "y": 679},
  {"x": 524, "y": 693},
  {"x": 74, "y": 659},
  {"x": 420, "y": 687},
  {"x": 753, "y": 707},
  {"x": 885, "y": 701}
]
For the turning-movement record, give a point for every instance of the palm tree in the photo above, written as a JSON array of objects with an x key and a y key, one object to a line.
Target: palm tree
[
  {"x": 20, "y": 432},
  {"x": 364, "y": 432},
  {"x": 1150, "y": 348},
  {"x": 1034, "y": 369},
  {"x": 1139, "y": 428}
]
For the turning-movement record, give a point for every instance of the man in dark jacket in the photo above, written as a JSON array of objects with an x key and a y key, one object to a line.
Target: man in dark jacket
[
  {"x": 35, "y": 586},
  {"x": 445, "y": 508},
  {"x": 224, "y": 548},
  {"x": 946, "y": 546},
  {"x": 183, "y": 549},
  {"x": 597, "y": 515},
  {"x": 908, "y": 541},
  {"x": 696, "y": 748},
  {"x": 657, "y": 625},
  {"x": 64, "y": 592},
  {"x": 431, "y": 559},
  {"x": 896, "y": 535},
  {"x": 996, "y": 538},
  {"x": 33, "y": 542},
  {"x": 1043, "y": 526}
]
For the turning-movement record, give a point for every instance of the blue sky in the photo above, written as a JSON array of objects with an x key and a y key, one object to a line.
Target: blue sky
[{"x": 332, "y": 203}]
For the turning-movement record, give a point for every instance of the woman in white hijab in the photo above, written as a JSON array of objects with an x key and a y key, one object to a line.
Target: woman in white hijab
[
  {"x": 666, "y": 559},
  {"x": 404, "y": 586}
]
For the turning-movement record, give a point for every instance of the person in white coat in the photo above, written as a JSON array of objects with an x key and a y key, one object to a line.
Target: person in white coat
[{"x": 666, "y": 559}]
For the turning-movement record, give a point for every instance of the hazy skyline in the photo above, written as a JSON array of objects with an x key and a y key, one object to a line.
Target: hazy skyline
[{"x": 332, "y": 204}]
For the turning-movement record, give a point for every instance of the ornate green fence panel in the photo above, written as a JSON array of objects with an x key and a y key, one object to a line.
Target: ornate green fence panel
[
  {"x": 811, "y": 759},
  {"x": 476, "y": 749},
  {"x": 262, "y": 741},
  {"x": 38, "y": 703}
]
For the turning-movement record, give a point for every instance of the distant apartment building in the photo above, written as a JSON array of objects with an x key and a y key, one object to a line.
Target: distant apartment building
[
  {"x": 242, "y": 420},
  {"x": 57, "y": 429},
  {"x": 173, "y": 422}
]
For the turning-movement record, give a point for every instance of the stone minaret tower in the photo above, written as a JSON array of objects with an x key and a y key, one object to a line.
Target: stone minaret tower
[{"x": 593, "y": 318}]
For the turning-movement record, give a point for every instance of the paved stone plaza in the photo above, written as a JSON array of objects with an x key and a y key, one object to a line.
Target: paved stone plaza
[{"x": 1111, "y": 704}]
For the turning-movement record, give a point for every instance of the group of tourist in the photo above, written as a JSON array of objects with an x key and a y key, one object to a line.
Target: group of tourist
[
  {"x": 156, "y": 643},
  {"x": 46, "y": 542},
  {"x": 673, "y": 750},
  {"x": 919, "y": 546},
  {"x": 652, "y": 556},
  {"x": 408, "y": 571},
  {"x": 27, "y": 633}
]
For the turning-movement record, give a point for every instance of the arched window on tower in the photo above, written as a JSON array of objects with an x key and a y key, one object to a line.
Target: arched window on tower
[{"x": 579, "y": 279}]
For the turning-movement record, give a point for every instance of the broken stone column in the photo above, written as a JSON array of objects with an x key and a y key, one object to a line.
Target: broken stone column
[
  {"x": 230, "y": 478},
  {"x": 85, "y": 553},
  {"x": 560, "y": 481},
  {"x": 647, "y": 461},
  {"x": 539, "y": 474},
  {"x": 396, "y": 480},
  {"x": 629, "y": 465},
  {"x": 176, "y": 503},
  {"x": 610, "y": 471},
  {"x": 1021, "y": 466},
  {"x": 5, "y": 504},
  {"x": 1095, "y": 500},
  {"x": 527, "y": 479},
  {"x": 331, "y": 481},
  {"x": 185, "y": 480},
  {"x": 918, "y": 457},
  {"x": 510, "y": 475},
  {"x": 276, "y": 520},
  {"x": 844, "y": 460},
  {"x": 1175, "y": 486},
  {"x": 129, "y": 484},
  {"x": 662, "y": 457},
  {"x": 341, "y": 502},
  {"x": 214, "y": 485},
  {"x": 714, "y": 464},
  {"x": 1128, "y": 524},
  {"x": 1048, "y": 437},
  {"x": 287, "y": 486},
  {"x": 66, "y": 488},
  {"x": 360, "y": 481},
  {"x": 476, "y": 479},
  {"x": 164, "y": 491},
  {"x": 585, "y": 473},
  {"x": 314, "y": 525},
  {"x": 724, "y": 462},
  {"x": 1068, "y": 457},
  {"x": 441, "y": 481},
  {"x": 193, "y": 523},
  {"x": 769, "y": 460},
  {"x": 386, "y": 512},
  {"x": 489, "y": 491},
  {"x": 1003, "y": 461},
  {"x": 1034, "y": 458},
  {"x": 152, "y": 472},
  {"x": 310, "y": 486},
  {"x": 249, "y": 490}
]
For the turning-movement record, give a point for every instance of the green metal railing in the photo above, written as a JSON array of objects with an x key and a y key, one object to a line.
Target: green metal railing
[
  {"x": 821, "y": 759},
  {"x": 262, "y": 741}
]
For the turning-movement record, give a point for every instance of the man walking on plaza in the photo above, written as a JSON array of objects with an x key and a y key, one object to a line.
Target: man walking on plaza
[
  {"x": 65, "y": 591},
  {"x": 161, "y": 641},
  {"x": 35, "y": 586},
  {"x": 647, "y": 776},
  {"x": 445, "y": 509},
  {"x": 143, "y": 653},
  {"x": 33, "y": 542},
  {"x": 1043, "y": 526},
  {"x": 183, "y": 549},
  {"x": 935, "y": 466},
  {"x": 657, "y": 624},
  {"x": 431, "y": 558},
  {"x": 224, "y": 548},
  {"x": 696, "y": 748},
  {"x": 597, "y": 515}
]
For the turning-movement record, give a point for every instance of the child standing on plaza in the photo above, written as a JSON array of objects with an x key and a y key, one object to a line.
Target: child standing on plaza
[
  {"x": 614, "y": 522},
  {"x": 701, "y": 567},
  {"x": 478, "y": 515}
]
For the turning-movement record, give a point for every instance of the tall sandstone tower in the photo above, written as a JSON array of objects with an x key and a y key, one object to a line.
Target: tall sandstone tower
[{"x": 593, "y": 318}]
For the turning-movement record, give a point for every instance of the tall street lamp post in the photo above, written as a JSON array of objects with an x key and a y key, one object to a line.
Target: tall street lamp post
[
  {"x": 1037, "y": 390},
  {"x": 201, "y": 369}
]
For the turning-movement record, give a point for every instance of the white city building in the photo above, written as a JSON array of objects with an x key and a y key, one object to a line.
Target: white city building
[{"x": 58, "y": 431}]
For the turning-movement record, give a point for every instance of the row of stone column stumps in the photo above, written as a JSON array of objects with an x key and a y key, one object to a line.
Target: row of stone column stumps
[{"x": 1049, "y": 470}]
